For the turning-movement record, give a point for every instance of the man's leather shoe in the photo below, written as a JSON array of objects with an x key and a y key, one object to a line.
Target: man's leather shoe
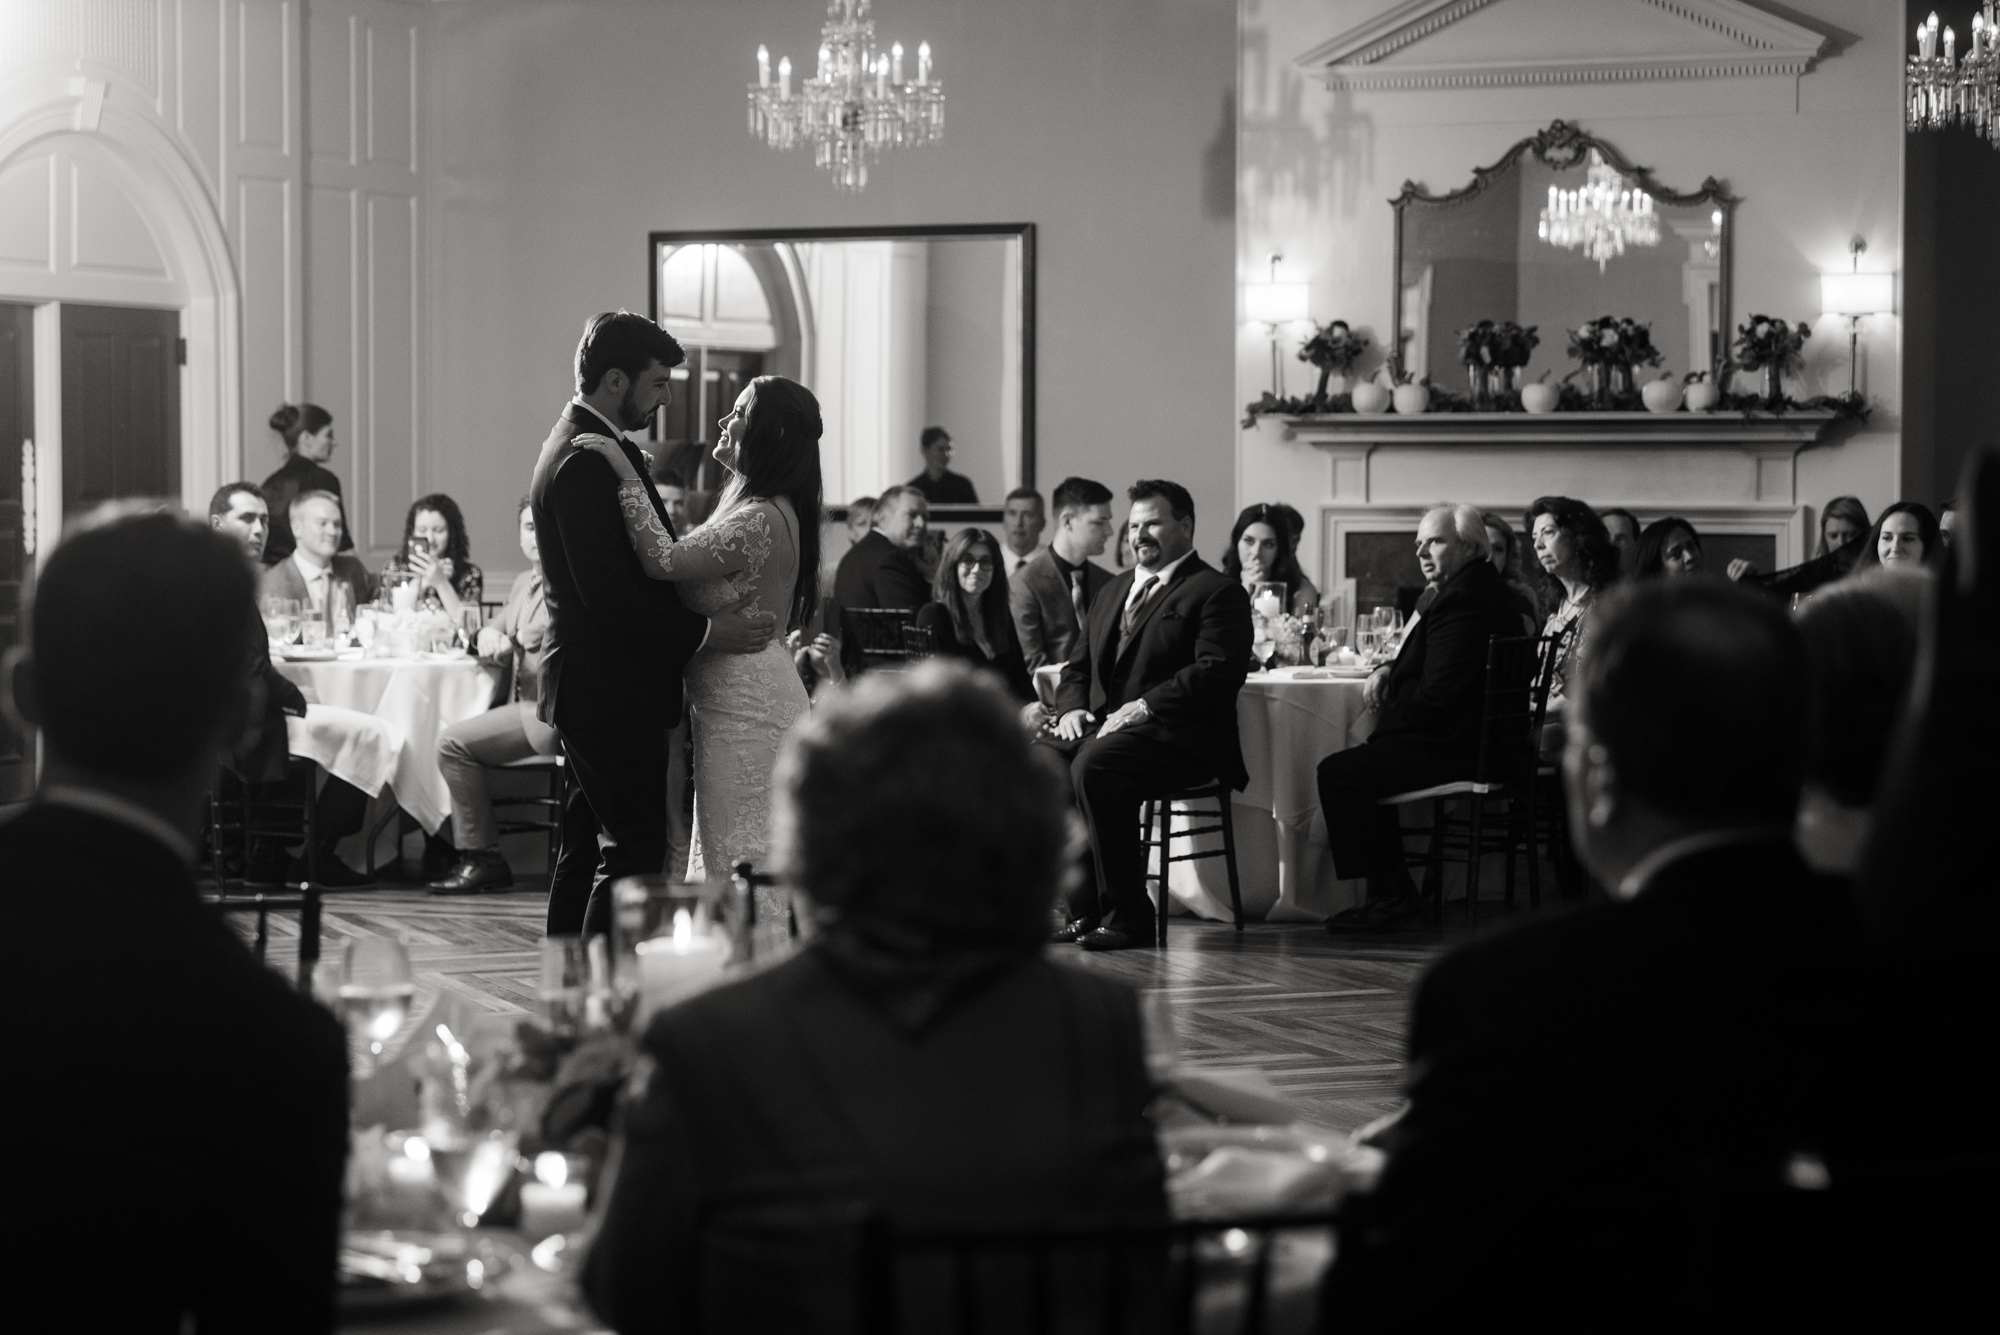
[
  {"x": 475, "y": 872},
  {"x": 1105, "y": 938},
  {"x": 331, "y": 873},
  {"x": 1069, "y": 934}
]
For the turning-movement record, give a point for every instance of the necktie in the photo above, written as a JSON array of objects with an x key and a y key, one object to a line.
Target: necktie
[
  {"x": 1140, "y": 593},
  {"x": 1077, "y": 598}
]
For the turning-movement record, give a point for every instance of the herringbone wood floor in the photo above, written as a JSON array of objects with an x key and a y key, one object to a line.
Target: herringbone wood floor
[{"x": 1323, "y": 1018}]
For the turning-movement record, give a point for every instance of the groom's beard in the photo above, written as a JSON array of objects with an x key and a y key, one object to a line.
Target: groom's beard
[{"x": 629, "y": 415}]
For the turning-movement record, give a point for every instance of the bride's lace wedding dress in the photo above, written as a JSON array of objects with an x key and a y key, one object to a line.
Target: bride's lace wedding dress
[{"x": 739, "y": 705}]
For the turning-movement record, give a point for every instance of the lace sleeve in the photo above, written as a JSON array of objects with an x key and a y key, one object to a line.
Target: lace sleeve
[{"x": 714, "y": 550}]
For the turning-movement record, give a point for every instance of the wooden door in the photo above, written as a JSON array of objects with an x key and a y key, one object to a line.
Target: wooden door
[
  {"x": 121, "y": 404},
  {"x": 17, "y": 424}
]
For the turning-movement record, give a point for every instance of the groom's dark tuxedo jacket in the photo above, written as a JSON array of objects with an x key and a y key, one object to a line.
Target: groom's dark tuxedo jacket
[{"x": 618, "y": 640}]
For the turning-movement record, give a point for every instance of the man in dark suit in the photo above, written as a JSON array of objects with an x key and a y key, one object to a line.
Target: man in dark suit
[
  {"x": 1051, "y": 593},
  {"x": 618, "y": 641},
  {"x": 172, "y": 1083},
  {"x": 1428, "y": 711},
  {"x": 1147, "y": 706},
  {"x": 880, "y": 569},
  {"x": 1588, "y": 1089}
]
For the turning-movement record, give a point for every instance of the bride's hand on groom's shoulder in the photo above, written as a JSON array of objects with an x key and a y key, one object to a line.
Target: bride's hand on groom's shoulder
[{"x": 740, "y": 632}]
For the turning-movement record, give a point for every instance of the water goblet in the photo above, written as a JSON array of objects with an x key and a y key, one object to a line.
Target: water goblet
[{"x": 375, "y": 993}]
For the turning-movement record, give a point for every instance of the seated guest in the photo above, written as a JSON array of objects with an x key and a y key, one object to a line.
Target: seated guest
[
  {"x": 860, "y": 518},
  {"x": 673, "y": 491},
  {"x": 1262, "y": 550},
  {"x": 1842, "y": 525},
  {"x": 182, "y": 1086},
  {"x": 1506, "y": 558},
  {"x": 1022, "y": 520},
  {"x": 1577, "y": 1083},
  {"x": 516, "y": 637},
  {"x": 879, "y": 570},
  {"x": 1147, "y": 707},
  {"x": 1947, "y": 516},
  {"x": 307, "y": 430},
  {"x": 262, "y": 759},
  {"x": 1861, "y": 652},
  {"x": 1668, "y": 548},
  {"x": 968, "y": 617},
  {"x": 1578, "y": 562},
  {"x": 866, "y": 1074},
  {"x": 1427, "y": 706},
  {"x": 1052, "y": 591},
  {"x": 317, "y": 564},
  {"x": 937, "y": 483},
  {"x": 1622, "y": 527},
  {"x": 435, "y": 549},
  {"x": 1905, "y": 539}
]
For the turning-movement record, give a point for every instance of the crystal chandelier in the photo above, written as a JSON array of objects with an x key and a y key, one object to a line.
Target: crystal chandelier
[
  {"x": 855, "y": 106},
  {"x": 1942, "y": 91},
  {"x": 1601, "y": 218}
]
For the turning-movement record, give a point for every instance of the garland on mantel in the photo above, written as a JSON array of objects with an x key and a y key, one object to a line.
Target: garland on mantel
[{"x": 1573, "y": 400}]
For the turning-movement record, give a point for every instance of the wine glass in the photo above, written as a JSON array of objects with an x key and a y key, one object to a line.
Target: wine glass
[{"x": 375, "y": 994}]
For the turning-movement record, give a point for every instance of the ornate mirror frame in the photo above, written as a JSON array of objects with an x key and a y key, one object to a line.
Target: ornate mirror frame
[{"x": 1563, "y": 146}]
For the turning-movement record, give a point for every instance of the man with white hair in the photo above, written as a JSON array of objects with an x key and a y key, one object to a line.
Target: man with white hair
[{"x": 1427, "y": 705}]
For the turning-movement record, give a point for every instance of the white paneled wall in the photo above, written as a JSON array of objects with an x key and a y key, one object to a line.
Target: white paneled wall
[
  {"x": 254, "y": 164},
  {"x": 364, "y": 228}
]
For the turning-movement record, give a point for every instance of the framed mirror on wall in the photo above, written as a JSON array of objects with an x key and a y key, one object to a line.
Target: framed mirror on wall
[
  {"x": 1515, "y": 245},
  {"x": 896, "y": 330}
]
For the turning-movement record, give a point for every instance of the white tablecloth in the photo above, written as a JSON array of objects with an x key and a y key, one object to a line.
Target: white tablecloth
[
  {"x": 1285, "y": 872},
  {"x": 418, "y": 699}
]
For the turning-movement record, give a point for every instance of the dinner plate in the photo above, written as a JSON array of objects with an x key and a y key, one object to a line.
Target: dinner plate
[
  {"x": 389, "y": 1270},
  {"x": 300, "y": 654}
]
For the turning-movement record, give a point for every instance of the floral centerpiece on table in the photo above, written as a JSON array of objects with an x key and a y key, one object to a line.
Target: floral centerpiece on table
[
  {"x": 1773, "y": 347},
  {"x": 1333, "y": 348},
  {"x": 1607, "y": 350}
]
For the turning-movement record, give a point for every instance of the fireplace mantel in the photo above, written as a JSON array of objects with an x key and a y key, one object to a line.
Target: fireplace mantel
[{"x": 1758, "y": 430}]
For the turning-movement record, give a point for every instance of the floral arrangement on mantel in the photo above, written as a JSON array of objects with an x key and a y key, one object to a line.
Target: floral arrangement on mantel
[
  {"x": 1607, "y": 350},
  {"x": 1493, "y": 355},
  {"x": 1333, "y": 348},
  {"x": 1572, "y": 400},
  {"x": 1773, "y": 347}
]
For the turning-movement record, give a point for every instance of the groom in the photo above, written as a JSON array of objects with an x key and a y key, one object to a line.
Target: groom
[{"x": 618, "y": 641}]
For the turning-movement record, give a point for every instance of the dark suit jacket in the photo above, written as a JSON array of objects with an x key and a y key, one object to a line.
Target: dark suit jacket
[
  {"x": 951, "y": 489},
  {"x": 265, "y": 753},
  {"x": 1044, "y": 617},
  {"x": 877, "y": 573},
  {"x": 284, "y": 580},
  {"x": 1008, "y": 665},
  {"x": 1187, "y": 656},
  {"x": 170, "y": 1090},
  {"x": 1577, "y": 1081},
  {"x": 1436, "y": 683},
  {"x": 617, "y": 640},
  {"x": 792, "y": 1096}
]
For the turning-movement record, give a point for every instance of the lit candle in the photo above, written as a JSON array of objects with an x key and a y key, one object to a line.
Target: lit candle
[
  {"x": 763, "y": 67},
  {"x": 552, "y": 1203},
  {"x": 923, "y": 63},
  {"x": 896, "y": 61},
  {"x": 785, "y": 77},
  {"x": 882, "y": 77},
  {"x": 1949, "y": 40},
  {"x": 673, "y": 967},
  {"x": 825, "y": 62}
]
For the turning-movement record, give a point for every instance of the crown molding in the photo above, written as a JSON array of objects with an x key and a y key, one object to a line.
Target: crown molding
[{"x": 1766, "y": 46}]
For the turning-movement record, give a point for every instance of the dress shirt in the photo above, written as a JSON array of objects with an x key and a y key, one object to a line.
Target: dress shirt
[
  {"x": 1144, "y": 583},
  {"x": 1009, "y": 562},
  {"x": 126, "y": 812},
  {"x": 1649, "y": 867},
  {"x": 316, "y": 577}
]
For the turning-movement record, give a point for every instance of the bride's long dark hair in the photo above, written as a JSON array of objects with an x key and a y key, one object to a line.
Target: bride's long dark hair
[{"x": 779, "y": 456}]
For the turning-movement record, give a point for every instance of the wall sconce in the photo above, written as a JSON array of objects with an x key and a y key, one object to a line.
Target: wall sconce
[
  {"x": 1273, "y": 305},
  {"x": 1854, "y": 295}
]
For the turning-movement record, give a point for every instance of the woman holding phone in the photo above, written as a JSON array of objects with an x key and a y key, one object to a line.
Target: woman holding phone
[{"x": 435, "y": 550}]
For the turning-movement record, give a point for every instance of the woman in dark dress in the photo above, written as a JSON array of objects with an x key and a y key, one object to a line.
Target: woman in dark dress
[
  {"x": 308, "y": 432},
  {"x": 436, "y": 549},
  {"x": 968, "y": 616}
]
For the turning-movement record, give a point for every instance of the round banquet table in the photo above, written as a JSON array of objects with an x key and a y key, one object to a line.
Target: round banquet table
[
  {"x": 1287, "y": 723},
  {"x": 418, "y": 698}
]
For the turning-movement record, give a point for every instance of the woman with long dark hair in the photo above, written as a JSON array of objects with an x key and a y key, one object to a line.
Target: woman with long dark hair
[
  {"x": 437, "y": 552},
  {"x": 1578, "y": 562},
  {"x": 1905, "y": 538},
  {"x": 307, "y": 430},
  {"x": 1668, "y": 548},
  {"x": 968, "y": 615},
  {"x": 1263, "y": 549},
  {"x": 760, "y": 543}
]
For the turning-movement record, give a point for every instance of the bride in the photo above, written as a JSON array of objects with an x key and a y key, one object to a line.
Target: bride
[{"x": 753, "y": 551}]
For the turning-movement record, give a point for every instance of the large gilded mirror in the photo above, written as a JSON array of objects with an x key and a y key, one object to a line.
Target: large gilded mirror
[
  {"x": 1559, "y": 231},
  {"x": 896, "y": 330}
]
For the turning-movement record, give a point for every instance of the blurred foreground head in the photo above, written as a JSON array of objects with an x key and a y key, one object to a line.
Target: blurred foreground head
[
  {"x": 913, "y": 810},
  {"x": 139, "y": 641}
]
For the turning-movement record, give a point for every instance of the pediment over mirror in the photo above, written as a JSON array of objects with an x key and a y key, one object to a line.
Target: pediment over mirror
[
  {"x": 1497, "y": 43},
  {"x": 1508, "y": 246}
]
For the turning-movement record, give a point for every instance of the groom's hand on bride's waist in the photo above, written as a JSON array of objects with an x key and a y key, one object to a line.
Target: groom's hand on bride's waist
[{"x": 740, "y": 632}]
